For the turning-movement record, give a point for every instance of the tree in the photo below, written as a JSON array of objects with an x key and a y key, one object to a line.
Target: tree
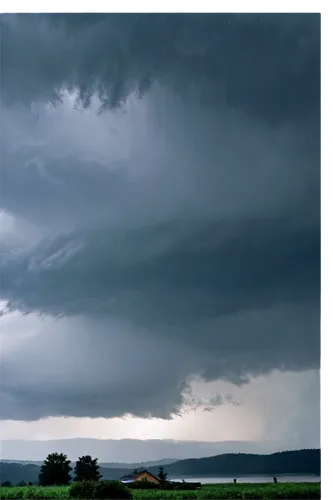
[
  {"x": 6, "y": 483},
  {"x": 87, "y": 469},
  {"x": 55, "y": 470},
  {"x": 162, "y": 476},
  {"x": 21, "y": 483}
]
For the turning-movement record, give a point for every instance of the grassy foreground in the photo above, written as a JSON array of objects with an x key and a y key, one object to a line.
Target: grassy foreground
[{"x": 262, "y": 491}]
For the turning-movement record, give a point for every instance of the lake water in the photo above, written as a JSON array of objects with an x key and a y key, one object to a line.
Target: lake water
[{"x": 249, "y": 479}]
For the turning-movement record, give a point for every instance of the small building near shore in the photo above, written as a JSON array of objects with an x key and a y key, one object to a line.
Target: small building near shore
[{"x": 142, "y": 475}]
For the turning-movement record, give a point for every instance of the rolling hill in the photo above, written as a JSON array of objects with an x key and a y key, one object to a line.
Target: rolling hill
[{"x": 301, "y": 462}]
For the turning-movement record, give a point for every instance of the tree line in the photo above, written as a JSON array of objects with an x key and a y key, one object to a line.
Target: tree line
[
  {"x": 300, "y": 462},
  {"x": 56, "y": 471}
]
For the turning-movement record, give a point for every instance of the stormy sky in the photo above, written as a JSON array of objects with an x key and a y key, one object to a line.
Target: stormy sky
[{"x": 160, "y": 227}]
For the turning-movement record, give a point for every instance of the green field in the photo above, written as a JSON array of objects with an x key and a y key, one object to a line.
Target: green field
[{"x": 265, "y": 491}]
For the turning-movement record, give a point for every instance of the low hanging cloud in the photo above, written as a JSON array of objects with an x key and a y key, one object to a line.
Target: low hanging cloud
[
  {"x": 269, "y": 65},
  {"x": 181, "y": 233}
]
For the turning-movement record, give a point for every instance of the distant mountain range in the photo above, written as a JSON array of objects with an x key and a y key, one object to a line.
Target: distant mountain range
[
  {"x": 109, "y": 465},
  {"x": 136, "y": 450},
  {"x": 301, "y": 462}
]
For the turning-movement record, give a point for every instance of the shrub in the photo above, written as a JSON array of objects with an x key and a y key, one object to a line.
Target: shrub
[
  {"x": 111, "y": 490},
  {"x": 82, "y": 489},
  {"x": 144, "y": 485},
  {"x": 185, "y": 486},
  {"x": 99, "y": 490}
]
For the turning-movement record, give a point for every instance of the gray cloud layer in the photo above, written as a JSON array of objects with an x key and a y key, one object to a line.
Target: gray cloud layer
[
  {"x": 194, "y": 218},
  {"x": 221, "y": 56}
]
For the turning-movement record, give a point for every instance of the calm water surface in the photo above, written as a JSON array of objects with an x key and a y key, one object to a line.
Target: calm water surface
[{"x": 249, "y": 479}]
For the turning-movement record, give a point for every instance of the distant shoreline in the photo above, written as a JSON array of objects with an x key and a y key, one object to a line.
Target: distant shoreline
[{"x": 286, "y": 474}]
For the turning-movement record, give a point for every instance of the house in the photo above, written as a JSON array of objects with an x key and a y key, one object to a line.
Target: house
[{"x": 140, "y": 475}]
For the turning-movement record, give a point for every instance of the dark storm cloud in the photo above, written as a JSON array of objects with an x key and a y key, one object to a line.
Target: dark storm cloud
[
  {"x": 268, "y": 65},
  {"x": 128, "y": 379},
  {"x": 257, "y": 264},
  {"x": 192, "y": 221}
]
